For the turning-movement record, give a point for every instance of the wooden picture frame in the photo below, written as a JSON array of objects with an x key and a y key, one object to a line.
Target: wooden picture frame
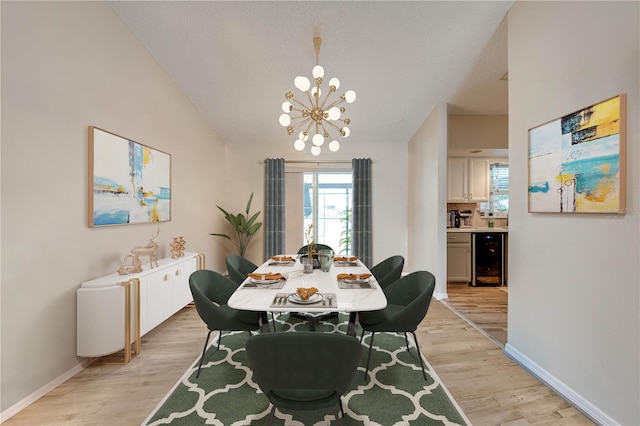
[
  {"x": 577, "y": 163},
  {"x": 129, "y": 182}
]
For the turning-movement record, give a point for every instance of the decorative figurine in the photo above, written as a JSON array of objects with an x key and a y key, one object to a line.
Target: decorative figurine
[
  {"x": 130, "y": 265},
  {"x": 177, "y": 247},
  {"x": 148, "y": 250}
]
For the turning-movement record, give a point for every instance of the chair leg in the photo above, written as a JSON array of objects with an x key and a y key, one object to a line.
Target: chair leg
[
  {"x": 219, "y": 339},
  {"x": 341, "y": 408},
  {"x": 273, "y": 320},
  {"x": 369, "y": 355},
  {"x": 203, "y": 351},
  {"x": 406, "y": 340},
  {"x": 361, "y": 335},
  {"x": 424, "y": 374}
]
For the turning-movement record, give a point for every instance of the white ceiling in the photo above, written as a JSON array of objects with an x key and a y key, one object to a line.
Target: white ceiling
[{"x": 236, "y": 59}]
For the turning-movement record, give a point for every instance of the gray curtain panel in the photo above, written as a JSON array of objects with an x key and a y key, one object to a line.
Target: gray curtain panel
[
  {"x": 361, "y": 238},
  {"x": 274, "y": 207}
]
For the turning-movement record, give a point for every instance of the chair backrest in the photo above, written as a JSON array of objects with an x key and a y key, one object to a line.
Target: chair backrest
[
  {"x": 211, "y": 291},
  {"x": 303, "y": 362},
  {"x": 414, "y": 292},
  {"x": 305, "y": 249},
  {"x": 238, "y": 267},
  {"x": 209, "y": 286},
  {"x": 388, "y": 271}
]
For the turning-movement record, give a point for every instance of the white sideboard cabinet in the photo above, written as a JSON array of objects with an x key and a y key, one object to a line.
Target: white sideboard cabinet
[{"x": 116, "y": 309}]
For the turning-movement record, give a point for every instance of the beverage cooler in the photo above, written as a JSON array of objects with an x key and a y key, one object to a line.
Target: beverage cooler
[{"x": 488, "y": 259}]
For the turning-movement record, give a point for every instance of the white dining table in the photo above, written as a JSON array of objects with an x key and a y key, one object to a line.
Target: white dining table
[{"x": 334, "y": 296}]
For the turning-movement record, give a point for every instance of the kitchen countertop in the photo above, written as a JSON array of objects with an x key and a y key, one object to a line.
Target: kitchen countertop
[{"x": 478, "y": 229}]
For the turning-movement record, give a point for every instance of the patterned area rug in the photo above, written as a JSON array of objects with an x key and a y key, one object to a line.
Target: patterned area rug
[{"x": 395, "y": 393}]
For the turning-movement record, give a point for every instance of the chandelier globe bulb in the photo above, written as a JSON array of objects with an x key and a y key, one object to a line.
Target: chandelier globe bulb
[
  {"x": 334, "y": 82},
  {"x": 298, "y": 145},
  {"x": 315, "y": 150},
  {"x": 318, "y": 71},
  {"x": 287, "y": 106},
  {"x": 285, "y": 120},
  {"x": 334, "y": 146},
  {"x": 302, "y": 83},
  {"x": 345, "y": 132},
  {"x": 334, "y": 113},
  {"x": 350, "y": 96},
  {"x": 317, "y": 139}
]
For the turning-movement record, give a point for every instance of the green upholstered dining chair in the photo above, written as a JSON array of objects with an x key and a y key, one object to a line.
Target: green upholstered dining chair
[
  {"x": 388, "y": 271},
  {"x": 211, "y": 292},
  {"x": 239, "y": 267},
  {"x": 408, "y": 301},
  {"x": 318, "y": 247},
  {"x": 303, "y": 370}
]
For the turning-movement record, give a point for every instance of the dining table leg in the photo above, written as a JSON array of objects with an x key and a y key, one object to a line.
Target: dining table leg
[
  {"x": 264, "y": 323},
  {"x": 351, "y": 326}
]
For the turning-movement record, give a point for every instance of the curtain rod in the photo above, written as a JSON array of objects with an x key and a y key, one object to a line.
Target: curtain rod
[{"x": 317, "y": 161}]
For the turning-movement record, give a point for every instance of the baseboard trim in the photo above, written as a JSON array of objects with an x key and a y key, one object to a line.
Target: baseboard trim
[
  {"x": 29, "y": 399},
  {"x": 580, "y": 403},
  {"x": 440, "y": 296}
]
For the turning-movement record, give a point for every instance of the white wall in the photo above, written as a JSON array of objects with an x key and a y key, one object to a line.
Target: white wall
[
  {"x": 428, "y": 199},
  {"x": 478, "y": 131},
  {"x": 66, "y": 66},
  {"x": 574, "y": 279}
]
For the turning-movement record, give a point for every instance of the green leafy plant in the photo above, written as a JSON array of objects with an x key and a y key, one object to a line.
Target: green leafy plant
[
  {"x": 345, "y": 234},
  {"x": 244, "y": 227}
]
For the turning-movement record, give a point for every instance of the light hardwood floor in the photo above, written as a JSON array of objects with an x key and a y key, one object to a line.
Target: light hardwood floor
[{"x": 490, "y": 388}]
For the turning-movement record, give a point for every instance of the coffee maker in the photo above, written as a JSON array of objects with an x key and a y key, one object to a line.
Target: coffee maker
[{"x": 453, "y": 219}]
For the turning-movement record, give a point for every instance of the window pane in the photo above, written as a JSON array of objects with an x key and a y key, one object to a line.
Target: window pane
[{"x": 327, "y": 205}]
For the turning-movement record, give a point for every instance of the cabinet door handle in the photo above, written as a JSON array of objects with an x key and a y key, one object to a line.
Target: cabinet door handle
[
  {"x": 178, "y": 272},
  {"x": 167, "y": 277}
]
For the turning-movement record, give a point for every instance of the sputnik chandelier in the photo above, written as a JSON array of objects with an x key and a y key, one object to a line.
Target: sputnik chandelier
[{"x": 314, "y": 114}]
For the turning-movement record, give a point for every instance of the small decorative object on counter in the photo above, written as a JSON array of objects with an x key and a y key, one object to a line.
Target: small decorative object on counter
[
  {"x": 130, "y": 265},
  {"x": 490, "y": 221},
  {"x": 150, "y": 249},
  {"x": 177, "y": 247}
]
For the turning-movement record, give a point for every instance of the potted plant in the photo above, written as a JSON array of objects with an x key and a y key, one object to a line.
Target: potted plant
[
  {"x": 490, "y": 221},
  {"x": 244, "y": 227}
]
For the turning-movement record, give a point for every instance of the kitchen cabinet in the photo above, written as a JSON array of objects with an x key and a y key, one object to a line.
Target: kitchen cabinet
[
  {"x": 459, "y": 256},
  {"x": 467, "y": 179}
]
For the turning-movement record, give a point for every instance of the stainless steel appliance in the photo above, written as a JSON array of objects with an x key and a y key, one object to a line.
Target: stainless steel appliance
[
  {"x": 465, "y": 218},
  {"x": 488, "y": 259}
]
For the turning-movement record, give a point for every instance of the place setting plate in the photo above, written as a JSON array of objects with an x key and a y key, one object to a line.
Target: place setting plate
[
  {"x": 263, "y": 282},
  {"x": 314, "y": 298}
]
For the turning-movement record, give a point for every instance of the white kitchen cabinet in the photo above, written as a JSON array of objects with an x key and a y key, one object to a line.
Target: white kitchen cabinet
[
  {"x": 116, "y": 309},
  {"x": 459, "y": 256},
  {"x": 467, "y": 179}
]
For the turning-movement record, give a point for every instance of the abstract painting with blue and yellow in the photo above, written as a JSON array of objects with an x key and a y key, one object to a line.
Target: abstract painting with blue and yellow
[{"x": 576, "y": 163}]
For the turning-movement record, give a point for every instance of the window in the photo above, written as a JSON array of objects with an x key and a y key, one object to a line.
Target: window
[
  {"x": 327, "y": 204},
  {"x": 499, "y": 190}
]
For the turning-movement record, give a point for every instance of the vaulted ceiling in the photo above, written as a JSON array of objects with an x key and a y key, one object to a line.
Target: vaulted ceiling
[{"x": 235, "y": 60}]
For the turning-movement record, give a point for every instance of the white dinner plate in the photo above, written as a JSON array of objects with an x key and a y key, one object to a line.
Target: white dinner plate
[
  {"x": 283, "y": 262},
  {"x": 360, "y": 281},
  {"x": 315, "y": 298},
  {"x": 257, "y": 281}
]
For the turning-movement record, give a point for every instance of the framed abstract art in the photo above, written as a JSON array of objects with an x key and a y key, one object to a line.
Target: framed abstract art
[
  {"x": 128, "y": 182},
  {"x": 577, "y": 163}
]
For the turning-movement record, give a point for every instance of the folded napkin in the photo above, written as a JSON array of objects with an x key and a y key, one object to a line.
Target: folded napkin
[
  {"x": 345, "y": 258},
  {"x": 266, "y": 276},
  {"x": 305, "y": 292},
  {"x": 282, "y": 258},
  {"x": 354, "y": 276}
]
